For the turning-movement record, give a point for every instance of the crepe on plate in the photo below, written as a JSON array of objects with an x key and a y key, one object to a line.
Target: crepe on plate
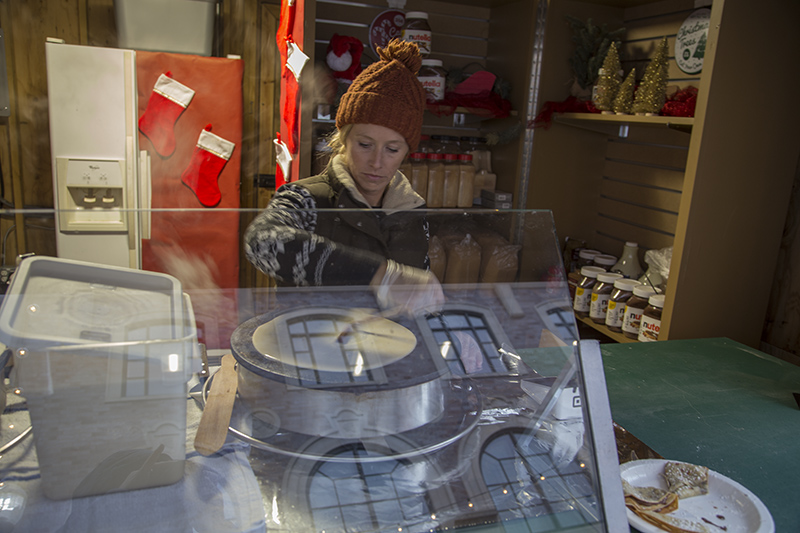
[
  {"x": 686, "y": 480},
  {"x": 654, "y": 504}
]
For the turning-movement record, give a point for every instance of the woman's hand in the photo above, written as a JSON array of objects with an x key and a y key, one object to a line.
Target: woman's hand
[{"x": 409, "y": 290}]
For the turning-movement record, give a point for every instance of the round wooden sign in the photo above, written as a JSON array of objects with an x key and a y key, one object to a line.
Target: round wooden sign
[
  {"x": 385, "y": 27},
  {"x": 690, "y": 42}
]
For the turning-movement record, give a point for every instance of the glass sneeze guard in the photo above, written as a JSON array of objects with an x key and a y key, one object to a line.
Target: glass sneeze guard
[{"x": 487, "y": 414}]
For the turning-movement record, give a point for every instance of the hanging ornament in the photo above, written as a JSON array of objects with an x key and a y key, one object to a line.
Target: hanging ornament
[
  {"x": 283, "y": 157},
  {"x": 624, "y": 99},
  {"x": 608, "y": 81},
  {"x": 652, "y": 92},
  {"x": 295, "y": 60}
]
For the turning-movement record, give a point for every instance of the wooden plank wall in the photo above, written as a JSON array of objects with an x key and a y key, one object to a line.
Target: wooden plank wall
[
  {"x": 642, "y": 176},
  {"x": 26, "y": 194}
]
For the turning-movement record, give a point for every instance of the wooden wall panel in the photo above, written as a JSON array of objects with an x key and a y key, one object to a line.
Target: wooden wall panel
[{"x": 459, "y": 37}]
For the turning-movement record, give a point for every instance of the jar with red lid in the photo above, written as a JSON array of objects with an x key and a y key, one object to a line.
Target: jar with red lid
[
  {"x": 451, "y": 175},
  {"x": 435, "y": 196}
]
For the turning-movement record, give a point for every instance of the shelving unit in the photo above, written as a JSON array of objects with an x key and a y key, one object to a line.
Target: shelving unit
[
  {"x": 714, "y": 188},
  {"x": 618, "y": 337}
]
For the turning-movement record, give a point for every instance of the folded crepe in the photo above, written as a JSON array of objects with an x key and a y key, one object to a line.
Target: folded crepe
[
  {"x": 649, "y": 498},
  {"x": 686, "y": 480},
  {"x": 671, "y": 523}
]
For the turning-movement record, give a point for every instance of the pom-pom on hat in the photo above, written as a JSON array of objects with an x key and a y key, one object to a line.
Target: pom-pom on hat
[{"x": 388, "y": 93}]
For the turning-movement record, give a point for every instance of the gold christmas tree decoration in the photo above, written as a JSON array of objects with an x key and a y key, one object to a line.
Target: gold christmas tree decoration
[
  {"x": 623, "y": 102},
  {"x": 608, "y": 81},
  {"x": 652, "y": 92}
]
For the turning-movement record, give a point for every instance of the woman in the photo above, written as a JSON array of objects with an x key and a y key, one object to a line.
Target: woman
[{"x": 353, "y": 224}]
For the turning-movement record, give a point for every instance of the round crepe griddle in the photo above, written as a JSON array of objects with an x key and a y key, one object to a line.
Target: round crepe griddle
[{"x": 333, "y": 340}]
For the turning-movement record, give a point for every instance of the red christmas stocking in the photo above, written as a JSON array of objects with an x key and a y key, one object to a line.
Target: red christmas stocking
[
  {"x": 208, "y": 160},
  {"x": 167, "y": 101}
]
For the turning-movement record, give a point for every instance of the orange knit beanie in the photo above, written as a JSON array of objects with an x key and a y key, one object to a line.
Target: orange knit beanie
[{"x": 388, "y": 93}]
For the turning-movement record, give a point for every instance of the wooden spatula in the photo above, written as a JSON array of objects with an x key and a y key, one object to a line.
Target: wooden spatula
[{"x": 213, "y": 427}]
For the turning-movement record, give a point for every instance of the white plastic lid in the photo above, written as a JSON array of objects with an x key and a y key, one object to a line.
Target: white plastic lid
[
  {"x": 605, "y": 260},
  {"x": 431, "y": 62},
  {"x": 626, "y": 284},
  {"x": 643, "y": 291},
  {"x": 607, "y": 277},
  {"x": 656, "y": 300},
  {"x": 588, "y": 254},
  {"x": 416, "y": 15},
  {"x": 632, "y": 244},
  {"x": 591, "y": 271}
]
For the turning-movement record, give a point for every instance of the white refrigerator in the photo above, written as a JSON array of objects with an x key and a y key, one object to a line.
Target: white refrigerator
[{"x": 100, "y": 177}]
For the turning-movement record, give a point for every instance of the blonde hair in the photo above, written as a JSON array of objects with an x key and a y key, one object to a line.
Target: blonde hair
[{"x": 337, "y": 139}]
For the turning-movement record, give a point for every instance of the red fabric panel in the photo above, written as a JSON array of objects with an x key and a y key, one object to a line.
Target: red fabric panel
[{"x": 200, "y": 247}]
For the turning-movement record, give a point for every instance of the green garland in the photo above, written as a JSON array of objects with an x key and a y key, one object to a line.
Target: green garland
[{"x": 591, "y": 47}]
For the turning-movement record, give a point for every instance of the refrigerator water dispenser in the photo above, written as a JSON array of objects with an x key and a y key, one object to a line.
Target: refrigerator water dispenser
[{"x": 92, "y": 193}]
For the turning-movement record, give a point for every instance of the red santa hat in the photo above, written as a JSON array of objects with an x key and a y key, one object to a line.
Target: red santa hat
[{"x": 344, "y": 57}]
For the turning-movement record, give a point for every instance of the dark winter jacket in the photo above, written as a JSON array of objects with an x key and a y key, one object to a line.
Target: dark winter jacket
[{"x": 321, "y": 231}]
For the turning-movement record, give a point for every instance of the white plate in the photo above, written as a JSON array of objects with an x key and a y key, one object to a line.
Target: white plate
[{"x": 727, "y": 504}]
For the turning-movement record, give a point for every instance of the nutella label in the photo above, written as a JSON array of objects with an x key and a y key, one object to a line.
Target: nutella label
[
  {"x": 599, "y": 305},
  {"x": 421, "y": 38},
  {"x": 434, "y": 86},
  {"x": 614, "y": 314},
  {"x": 631, "y": 320},
  {"x": 582, "y": 303},
  {"x": 649, "y": 329}
]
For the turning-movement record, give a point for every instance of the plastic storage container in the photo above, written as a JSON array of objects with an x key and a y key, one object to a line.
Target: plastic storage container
[
  {"x": 183, "y": 26},
  {"x": 99, "y": 347}
]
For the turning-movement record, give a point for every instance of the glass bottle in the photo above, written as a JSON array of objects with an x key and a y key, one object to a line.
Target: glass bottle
[
  {"x": 419, "y": 173},
  {"x": 451, "y": 175},
  {"x": 466, "y": 180},
  {"x": 435, "y": 196}
]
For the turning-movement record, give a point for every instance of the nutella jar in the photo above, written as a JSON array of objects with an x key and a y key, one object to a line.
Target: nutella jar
[
  {"x": 601, "y": 293},
  {"x": 416, "y": 30},
  {"x": 583, "y": 292},
  {"x": 650, "y": 325},
  {"x": 432, "y": 77},
  {"x": 634, "y": 308},
  {"x": 585, "y": 258},
  {"x": 604, "y": 261},
  {"x": 623, "y": 290}
]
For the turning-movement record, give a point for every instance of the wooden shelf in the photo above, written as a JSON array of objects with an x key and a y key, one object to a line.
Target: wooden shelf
[
  {"x": 614, "y": 124},
  {"x": 602, "y": 328}
]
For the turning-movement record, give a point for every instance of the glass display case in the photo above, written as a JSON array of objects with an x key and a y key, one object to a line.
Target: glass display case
[{"x": 485, "y": 413}]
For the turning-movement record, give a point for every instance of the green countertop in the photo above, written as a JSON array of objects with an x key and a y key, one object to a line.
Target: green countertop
[{"x": 717, "y": 403}]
